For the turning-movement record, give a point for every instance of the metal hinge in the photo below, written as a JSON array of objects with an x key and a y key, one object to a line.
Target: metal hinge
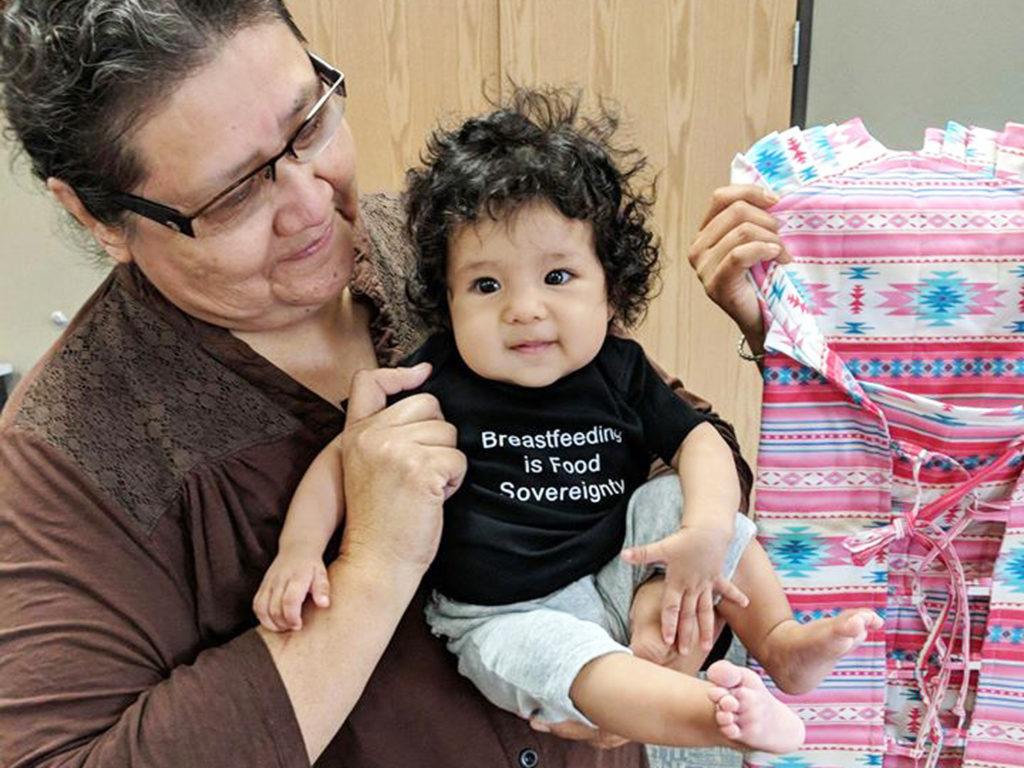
[{"x": 796, "y": 42}]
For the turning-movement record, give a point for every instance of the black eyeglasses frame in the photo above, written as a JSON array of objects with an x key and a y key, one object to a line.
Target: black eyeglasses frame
[{"x": 182, "y": 222}]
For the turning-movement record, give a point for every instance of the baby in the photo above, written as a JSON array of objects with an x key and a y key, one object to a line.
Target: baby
[{"x": 532, "y": 243}]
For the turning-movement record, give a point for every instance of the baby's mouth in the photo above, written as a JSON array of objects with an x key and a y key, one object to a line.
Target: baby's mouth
[{"x": 531, "y": 347}]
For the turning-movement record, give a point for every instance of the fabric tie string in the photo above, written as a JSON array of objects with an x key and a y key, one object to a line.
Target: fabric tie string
[{"x": 919, "y": 525}]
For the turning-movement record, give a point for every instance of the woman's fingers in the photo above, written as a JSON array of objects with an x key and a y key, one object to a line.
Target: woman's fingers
[
  {"x": 579, "y": 732},
  {"x": 371, "y": 388},
  {"x": 723, "y": 197},
  {"x": 427, "y": 432},
  {"x": 722, "y": 256},
  {"x": 730, "y": 271},
  {"x": 443, "y": 469},
  {"x": 736, "y": 234},
  {"x": 419, "y": 407},
  {"x": 726, "y": 221}
]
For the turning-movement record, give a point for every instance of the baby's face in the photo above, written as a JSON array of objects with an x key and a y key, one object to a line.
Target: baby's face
[{"x": 527, "y": 296}]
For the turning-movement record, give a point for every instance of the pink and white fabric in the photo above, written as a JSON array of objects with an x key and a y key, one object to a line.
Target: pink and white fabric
[{"x": 892, "y": 435}]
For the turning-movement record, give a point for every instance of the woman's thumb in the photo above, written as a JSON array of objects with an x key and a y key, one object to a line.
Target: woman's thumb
[{"x": 371, "y": 388}]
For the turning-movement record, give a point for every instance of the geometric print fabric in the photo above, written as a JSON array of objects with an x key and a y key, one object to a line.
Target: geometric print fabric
[{"x": 889, "y": 466}]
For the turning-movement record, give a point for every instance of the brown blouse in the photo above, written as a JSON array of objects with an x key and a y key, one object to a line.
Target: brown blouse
[{"x": 145, "y": 467}]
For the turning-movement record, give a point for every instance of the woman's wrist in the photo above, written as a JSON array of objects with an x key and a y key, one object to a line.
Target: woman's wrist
[
  {"x": 753, "y": 334},
  {"x": 745, "y": 353},
  {"x": 369, "y": 563},
  {"x": 379, "y": 582}
]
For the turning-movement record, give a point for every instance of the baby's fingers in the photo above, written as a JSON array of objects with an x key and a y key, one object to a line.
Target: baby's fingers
[
  {"x": 272, "y": 590},
  {"x": 731, "y": 592},
  {"x": 291, "y": 603},
  {"x": 275, "y": 604},
  {"x": 261, "y": 607},
  {"x": 321, "y": 590},
  {"x": 706, "y": 619},
  {"x": 687, "y": 623},
  {"x": 671, "y": 602}
]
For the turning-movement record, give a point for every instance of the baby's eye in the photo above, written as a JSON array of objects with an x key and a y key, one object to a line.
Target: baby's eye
[
  {"x": 486, "y": 285},
  {"x": 558, "y": 277}
]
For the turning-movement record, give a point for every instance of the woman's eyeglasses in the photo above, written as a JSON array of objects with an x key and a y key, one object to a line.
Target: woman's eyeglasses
[{"x": 233, "y": 204}]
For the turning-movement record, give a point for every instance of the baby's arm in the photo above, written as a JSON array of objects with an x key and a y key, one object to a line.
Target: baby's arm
[
  {"x": 711, "y": 493},
  {"x": 695, "y": 555},
  {"x": 316, "y": 511}
]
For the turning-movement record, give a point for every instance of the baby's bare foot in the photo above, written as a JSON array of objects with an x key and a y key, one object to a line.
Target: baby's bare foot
[
  {"x": 801, "y": 655},
  {"x": 747, "y": 712}
]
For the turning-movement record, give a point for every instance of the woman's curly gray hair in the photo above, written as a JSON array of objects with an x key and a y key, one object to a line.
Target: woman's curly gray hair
[{"x": 77, "y": 75}]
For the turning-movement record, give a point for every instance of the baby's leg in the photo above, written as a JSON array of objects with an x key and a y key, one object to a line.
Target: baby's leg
[
  {"x": 643, "y": 702},
  {"x": 796, "y": 656}
]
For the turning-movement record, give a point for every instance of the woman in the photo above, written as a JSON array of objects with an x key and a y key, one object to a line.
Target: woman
[{"x": 147, "y": 461}]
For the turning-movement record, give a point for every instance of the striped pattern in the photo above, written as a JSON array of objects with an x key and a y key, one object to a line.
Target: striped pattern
[{"x": 889, "y": 469}]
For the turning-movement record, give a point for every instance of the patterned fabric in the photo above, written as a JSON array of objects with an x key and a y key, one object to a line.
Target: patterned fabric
[{"x": 889, "y": 469}]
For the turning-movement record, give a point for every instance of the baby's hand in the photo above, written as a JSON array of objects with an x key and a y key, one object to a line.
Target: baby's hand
[
  {"x": 293, "y": 574},
  {"x": 693, "y": 559}
]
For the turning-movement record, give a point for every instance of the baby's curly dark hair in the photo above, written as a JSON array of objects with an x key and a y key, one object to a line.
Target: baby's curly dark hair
[{"x": 535, "y": 146}]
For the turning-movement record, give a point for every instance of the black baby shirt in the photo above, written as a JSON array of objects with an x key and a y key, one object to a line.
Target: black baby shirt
[{"x": 551, "y": 469}]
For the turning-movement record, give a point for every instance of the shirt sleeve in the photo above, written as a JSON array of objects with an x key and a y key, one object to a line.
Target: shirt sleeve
[
  {"x": 725, "y": 429},
  {"x": 666, "y": 419},
  {"x": 101, "y": 661}
]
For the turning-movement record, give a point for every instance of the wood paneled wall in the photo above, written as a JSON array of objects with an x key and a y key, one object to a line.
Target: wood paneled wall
[{"x": 696, "y": 81}]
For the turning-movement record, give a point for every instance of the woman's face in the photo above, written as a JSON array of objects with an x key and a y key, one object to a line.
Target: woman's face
[{"x": 292, "y": 253}]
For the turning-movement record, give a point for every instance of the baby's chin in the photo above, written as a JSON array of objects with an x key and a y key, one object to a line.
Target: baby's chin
[{"x": 526, "y": 377}]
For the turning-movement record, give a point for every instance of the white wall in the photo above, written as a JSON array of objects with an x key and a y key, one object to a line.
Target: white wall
[
  {"x": 41, "y": 270},
  {"x": 904, "y": 65}
]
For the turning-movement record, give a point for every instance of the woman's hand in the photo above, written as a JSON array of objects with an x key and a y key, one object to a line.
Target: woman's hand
[
  {"x": 574, "y": 731},
  {"x": 645, "y": 638},
  {"x": 400, "y": 465},
  {"x": 737, "y": 232}
]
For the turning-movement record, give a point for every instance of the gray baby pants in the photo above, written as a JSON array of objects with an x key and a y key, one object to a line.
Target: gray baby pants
[{"x": 525, "y": 656}]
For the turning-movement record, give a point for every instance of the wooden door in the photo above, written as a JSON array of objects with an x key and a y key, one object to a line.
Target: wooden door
[{"x": 696, "y": 81}]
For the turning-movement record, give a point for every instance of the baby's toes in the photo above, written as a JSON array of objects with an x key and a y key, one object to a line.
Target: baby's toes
[
  {"x": 747, "y": 701},
  {"x": 725, "y": 674},
  {"x": 731, "y": 731},
  {"x": 716, "y": 694},
  {"x": 857, "y": 624},
  {"x": 872, "y": 620},
  {"x": 728, "y": 703}
]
